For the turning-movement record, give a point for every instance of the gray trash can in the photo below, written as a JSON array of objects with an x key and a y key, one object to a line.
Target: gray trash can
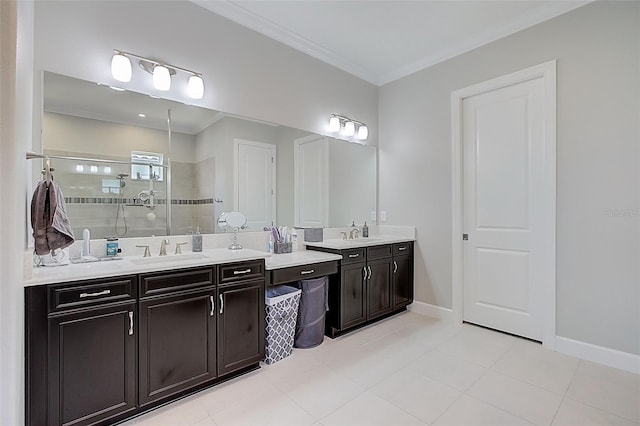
[
  {"x": 312, "y": 312},
  {"x": 282, "y": 311}
]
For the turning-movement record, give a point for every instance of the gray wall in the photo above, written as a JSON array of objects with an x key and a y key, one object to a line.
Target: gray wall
[
  {"x": 597, "y": 49},
  {"x": 245, "y": 73}
]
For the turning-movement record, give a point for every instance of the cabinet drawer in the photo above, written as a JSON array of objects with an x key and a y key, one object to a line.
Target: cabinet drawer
[
  {"x": 85, "y": 293},
  {"x": 378, "y": 252},
  {"x": 402, "y": 248},
  {"x": 233, "y": 272},
  {"x": 304, "y": 272},
  {"x": 171, "y": 281},
  {"x": 354, "y": 255}
]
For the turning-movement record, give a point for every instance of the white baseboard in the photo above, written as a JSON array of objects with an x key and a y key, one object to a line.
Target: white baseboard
[
  {"x": 433, "y": 311},
  {"x": 590, "y": 352}
]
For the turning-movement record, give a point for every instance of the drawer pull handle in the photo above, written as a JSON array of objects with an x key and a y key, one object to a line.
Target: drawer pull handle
[
  {"x": 213, "y": 306},
  {"x": 130, "y": 323},
  {"x": 310, "y": 271},
  {"x": 221, "y": 305},
  {"x": 354, "y": 255},
  {"x": 369, "y": 268},
  {"x": 244, "y": 271},
  {"x": 402, "y": 248},
  {"x": 364, "y": 270},
  {"x": 99, "y": 293},
  {"x": 395, "y": 267}
]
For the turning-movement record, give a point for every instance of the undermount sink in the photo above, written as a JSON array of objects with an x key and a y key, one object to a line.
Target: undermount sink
[{"x": 168, "y": 259}]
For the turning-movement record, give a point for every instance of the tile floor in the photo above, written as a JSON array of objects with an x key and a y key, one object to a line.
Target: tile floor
[{"x": 415, "y": 370}]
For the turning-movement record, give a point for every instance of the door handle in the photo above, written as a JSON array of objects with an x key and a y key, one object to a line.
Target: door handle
[
  {"x": 130, "y": 323},
  {"x": 221, "y": 305},
  {"x": 395, "y": 267},
  {"x": 213, "y": 306},
  {"x": 364, "y": 272},
  {"x": 369, "y": 268}
]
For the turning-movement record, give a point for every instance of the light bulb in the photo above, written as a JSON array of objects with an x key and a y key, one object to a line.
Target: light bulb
[
  {"x": 121, "y": 68},
  {"x": 334, "y": 124},
  {"x": 363, "y": 132},
  {"x": 79, "y": 168},
  {"x": 107, "y": 170},
  {"x": 161, "y": 78},
  {"x": 349, "y": 128},
  {"x": 195, "y": 87}
]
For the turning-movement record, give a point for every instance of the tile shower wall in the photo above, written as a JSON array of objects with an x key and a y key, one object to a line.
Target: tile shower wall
[{"x": 93, "y": 197}]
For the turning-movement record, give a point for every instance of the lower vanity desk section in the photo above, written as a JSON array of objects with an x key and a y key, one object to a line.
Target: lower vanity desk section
[
  {"x": 101, "y": 350},
  {"x": 374, "y": 280}
]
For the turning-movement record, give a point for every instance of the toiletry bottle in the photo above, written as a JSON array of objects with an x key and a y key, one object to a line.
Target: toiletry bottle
[
  {"x": 270, "y": 243},
  {"x": 365, "y": 230},
  {"x": 86, "y": 243},
  {"x": 196, "y": 244},
  {"x": 294, "y": 240}
]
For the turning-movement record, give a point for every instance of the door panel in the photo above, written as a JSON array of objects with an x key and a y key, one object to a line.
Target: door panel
[
  {"x": 379, "y": 288},
  {"x": 311, "y": 183},
  {"x": 503, "y": 159},
  {"x": 177, "y": 344},
  {"x": 255, "y": 183},
  {"x": 90, "y": 347},
  {"x": 353, "y": 295},
  {"x": 241, "y": 326}
]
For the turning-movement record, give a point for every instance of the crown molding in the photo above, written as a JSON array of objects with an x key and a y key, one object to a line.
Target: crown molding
[
  {"x": 238, "y": 14},
  {"x": 246, "y": 18}
]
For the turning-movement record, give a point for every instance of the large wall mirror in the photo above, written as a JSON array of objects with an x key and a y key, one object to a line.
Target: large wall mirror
[{"x": 214, "y": 162}]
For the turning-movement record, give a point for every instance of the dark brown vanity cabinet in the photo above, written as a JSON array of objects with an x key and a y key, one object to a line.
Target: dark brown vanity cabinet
[
  {"x": 82, "y": 363},
  {"x": 241, "y": 315},
  {"x": 371, "y": 283},
  {"x": 103, "y": 350},
  {"x": 177, "y": 332},
  {"x": 402, "y": 275}
]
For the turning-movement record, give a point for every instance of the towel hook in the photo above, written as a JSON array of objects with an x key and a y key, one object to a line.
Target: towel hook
[{"x": 47, "y": 170}]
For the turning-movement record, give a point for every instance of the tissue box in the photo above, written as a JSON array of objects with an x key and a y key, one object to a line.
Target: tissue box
[{"x": 313, "y": 235}]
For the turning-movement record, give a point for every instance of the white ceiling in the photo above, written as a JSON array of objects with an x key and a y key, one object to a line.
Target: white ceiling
[{"x": 381, "y": 41}]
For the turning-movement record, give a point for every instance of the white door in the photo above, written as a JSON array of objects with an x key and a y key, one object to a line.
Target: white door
[
  {"x": 311, "y": 183},
  {"x": 503, "y": 204},
  {"x": 255, "y": 183}
]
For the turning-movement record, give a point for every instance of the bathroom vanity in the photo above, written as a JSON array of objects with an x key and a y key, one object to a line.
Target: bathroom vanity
[
  {"x": 374, "y": 280},
  {"x": 107, "y": 341},
  {"x": 104, "y": 349}
]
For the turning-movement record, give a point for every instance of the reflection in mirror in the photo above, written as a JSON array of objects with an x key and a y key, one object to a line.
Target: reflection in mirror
[
  {"x": 234, "y": 221},
  {"x": 218, "y": 162}
]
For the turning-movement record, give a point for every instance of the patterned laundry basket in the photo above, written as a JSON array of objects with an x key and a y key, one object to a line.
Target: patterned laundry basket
[{"x": 282, "y": 312}]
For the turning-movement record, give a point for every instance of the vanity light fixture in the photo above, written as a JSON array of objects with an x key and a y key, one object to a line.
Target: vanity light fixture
[
  {"x": 161, "y": 72},
  {"x": 121, "y": 67},
  {"x": 348, "y": 127}
]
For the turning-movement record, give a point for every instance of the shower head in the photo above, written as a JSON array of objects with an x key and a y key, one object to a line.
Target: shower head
[{"x": 122, "y": 175}]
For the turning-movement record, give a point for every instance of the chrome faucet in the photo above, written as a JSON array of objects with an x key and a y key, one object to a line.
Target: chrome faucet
[
  {"x": 163, "y": 247},
  {"x": 147, "y": 253},
  {"x": 355, "y": 231}
]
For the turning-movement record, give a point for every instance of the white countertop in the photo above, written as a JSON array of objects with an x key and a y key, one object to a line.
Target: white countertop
[
  {"x": 374, "y": 240},
  {"x": 298, "y": 258},
  {"x": 137, "y": 264}
]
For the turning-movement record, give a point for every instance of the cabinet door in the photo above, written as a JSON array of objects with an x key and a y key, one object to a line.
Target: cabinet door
[
  {"x": 177, "y": 343},
  {"x": 402, "y": 281},
  {"x": 92, "y": 365},
  {"x": 241, "y": 325},
  {"x": 353, "y": 297},
  {"x": 379, "y": 288}
]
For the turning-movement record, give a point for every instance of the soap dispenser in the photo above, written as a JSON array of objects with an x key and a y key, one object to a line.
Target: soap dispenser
[
  {"x": 365, "y": 230},
  {"x": 196, "y": 242}
]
